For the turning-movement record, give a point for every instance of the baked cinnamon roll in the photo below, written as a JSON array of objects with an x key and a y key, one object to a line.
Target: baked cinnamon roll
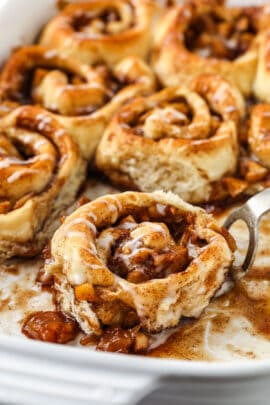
[
  {"x": 41, "y": 171},
  {"x": 82, "y": 98},
  {"x": 180, "y": 139},
  {"x": 262, "y": 79},
  {"x": 258, "y": 136},
  {"x": 102, "y": 30},
  {"x": 204, "y": 36},
  {"x": 137, "y": 259}
]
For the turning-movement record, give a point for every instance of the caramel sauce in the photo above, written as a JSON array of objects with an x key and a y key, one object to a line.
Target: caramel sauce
[
  {"x": 215, "y": 35},
  {"x": 256, "y": 311},
  {"x": 248, "y": 300},
  {"x": 189, "y": 342},
  {"x": 242, "y": 311},
  {"x": 10, "y": 269},
  {"x": 120, "y": 340},
  {"x": 50, "y": 326},
  {"x": 147, "y": 250},
  {"x": 17, "y": 297},
  {"x": 185, "y": 344}
]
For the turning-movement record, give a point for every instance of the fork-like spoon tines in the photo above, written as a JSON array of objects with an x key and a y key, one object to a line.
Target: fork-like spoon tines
[{"x": 251, "y": 213}]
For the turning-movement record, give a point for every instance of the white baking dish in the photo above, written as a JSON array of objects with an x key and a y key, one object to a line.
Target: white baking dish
[{"x": 39, "y": 373}]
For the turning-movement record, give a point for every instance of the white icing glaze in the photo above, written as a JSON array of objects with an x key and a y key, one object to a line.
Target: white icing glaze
[
  {"x": 91, "y": 249},
  {"x": 85, "y": 222},
  {"x": 230, "y": 108},
  {"x": 44, "y": 120},
  {"x": 157, "y": 228},
  {"x": 75, "y": 234},
  {"x": 165, "y": 314},
  {"x": 128, "y": 225},
  {"x": 266, "y": 113},
  {"x": 140, "y": 306},
  {"x": 105, "y": 241},
  {"x": 116, "y": 202},
  {"x": 226, "y": 287},
  {"x": 112, "y": 207},
  {"x": 92, "y": 216},
  {"x": 43, "y": 156},
  {"x": 52, "y": 53},
  {"x": 7, "y": 162},
  {"x": 39, "y": 143},
  {"x": 29, "y": 138},
  {"x": 161, "y": 209},
  {"x": 19, "y": 173},
  {"x": 203, "y": 52},
  {"x": 59, "y": 133},
  {"x": 160, "y": 338},
  {"x": 193, "y": 250},
  {"x": 220, "y": 92}
]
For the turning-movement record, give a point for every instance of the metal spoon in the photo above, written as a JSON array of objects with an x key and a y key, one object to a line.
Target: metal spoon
[{"x": 251, "y": 213}]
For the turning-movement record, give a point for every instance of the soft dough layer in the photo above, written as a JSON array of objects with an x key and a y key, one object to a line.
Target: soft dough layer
[
  {"x": 180, "y": 139},
  {"x": 137, "y": 258},
  {"x": 41, "y": 171}
]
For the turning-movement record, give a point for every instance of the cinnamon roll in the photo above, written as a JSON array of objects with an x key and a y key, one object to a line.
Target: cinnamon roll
[
  {"x": 82, "y": 98},
  {"x": 41, "y": 171},
  {"x": 262, "y": 79},
  {"x": 180, "y": 139},
  {"x": 137, "y": 259},
  {"x": 204, "y": 36},
  {"x": 258, "y": 136},
  {"x": 102, "y": 30}
]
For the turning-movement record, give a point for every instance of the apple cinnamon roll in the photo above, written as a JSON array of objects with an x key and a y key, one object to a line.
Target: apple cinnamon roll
[
  {"x": 262, "y": 79},
  {"x": 82, "y": 98},
  {"x": 137, "y": 259},
  {"x": 41, "y": 171},
  {"x": 204, "y": 36},
  {"x": 180, "y": 139},
  {"x": 258, "y": 136},
  {"x": 103, "y": 30}
]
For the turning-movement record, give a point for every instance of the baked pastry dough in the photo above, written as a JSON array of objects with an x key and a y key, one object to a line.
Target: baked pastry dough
[
  {"x": 41, "y": 171},
  {"x": 203, "y": 36},
  {"x": 82, "y": 98},
  {"x": 262, "y": 79},
  {"x": 181, "y": 140},
  {"x": 136, "y": 258},
  {"x": 102, "y": 30},
  {"x": 258, "y": 136}
]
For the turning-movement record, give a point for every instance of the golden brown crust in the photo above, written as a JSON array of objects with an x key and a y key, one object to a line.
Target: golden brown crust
[
  {"x": 103, "y": 30},
  {"x": 178, "y": 140},
  {"x": 204, "y": 37},
  {"x": 262, "y": 79},
  {"x": 82, "y": 98},
  {"x": 41, "y": 171},
  {"x": 100, "y": 247},
  {"x": 259, "y": 132}
]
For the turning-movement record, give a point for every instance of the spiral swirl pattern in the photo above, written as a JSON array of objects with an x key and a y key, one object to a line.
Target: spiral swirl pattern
[
  {"x": 207, "y": 37},
  {"x": 180, "y": 139},
  {"x": 81, "y": 97},
  {"x": 135, "y": 258},
  {"x": 40, "y": 172},
  {"x": 104, "y": 30}
]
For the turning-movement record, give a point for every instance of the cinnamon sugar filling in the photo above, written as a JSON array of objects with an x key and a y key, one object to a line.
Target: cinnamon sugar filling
[{"x": 212, "y": 35}]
